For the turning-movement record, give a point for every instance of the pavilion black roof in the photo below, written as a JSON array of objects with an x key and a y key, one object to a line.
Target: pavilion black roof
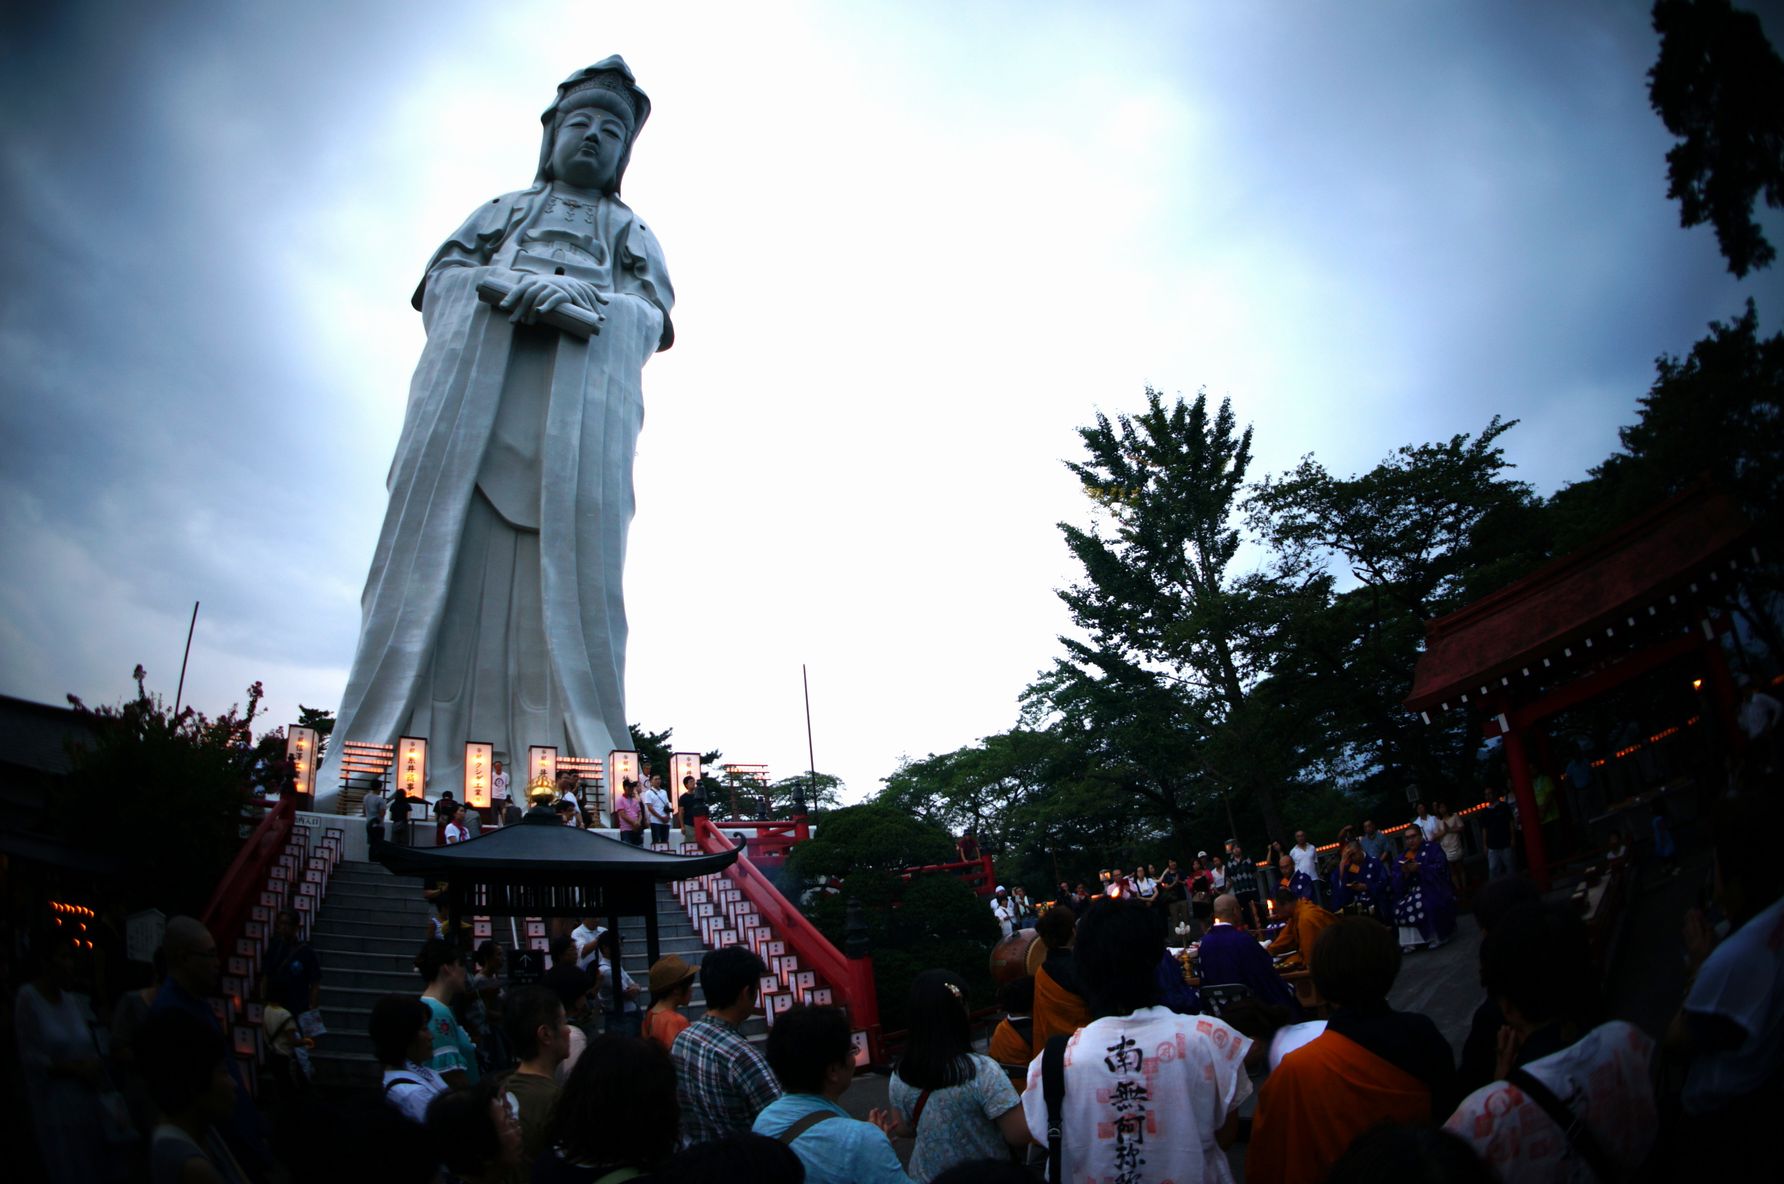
[{"x": 543, "y": 850}]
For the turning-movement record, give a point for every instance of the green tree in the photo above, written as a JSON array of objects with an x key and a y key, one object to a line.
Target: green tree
[
  {"x": 1425, "y": 531},
  {"x": 805, "y": 793},
  {"x": 869, "y": 837},
  {"x": 1719, "y": 86},
  {"x": 1174, "y": 643},
  {"x": 1038, "y": 799},
  {"x": 1718, "y": 413},
  {"x": 927, "y": 921},
  {"x": 319, "y": 718},
  {"x": 163, "y": 793},
  {"x": 658, "y": 747}
]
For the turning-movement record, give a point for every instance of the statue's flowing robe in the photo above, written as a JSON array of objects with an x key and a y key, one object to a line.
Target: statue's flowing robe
[{"x": 493, "y": 611}]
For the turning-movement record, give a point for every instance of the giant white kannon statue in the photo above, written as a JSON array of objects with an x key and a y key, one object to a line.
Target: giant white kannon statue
[{"x": 493, "y": 611}]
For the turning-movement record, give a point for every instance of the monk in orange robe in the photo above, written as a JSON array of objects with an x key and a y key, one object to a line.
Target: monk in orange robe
[
  {"x": 1060, "y": 1007},
  {"x": 1305, "y": 922},
  {"x": 1012, "y": 1041},
  {"x": 1371, "y": 1065}
]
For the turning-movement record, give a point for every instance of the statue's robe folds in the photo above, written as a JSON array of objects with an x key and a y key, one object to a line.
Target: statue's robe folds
[{"x": 494, "y": 611}]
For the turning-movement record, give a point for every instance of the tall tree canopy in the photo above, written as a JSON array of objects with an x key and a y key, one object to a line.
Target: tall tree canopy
[
  {"x": 1174, "y": 641},
  {"x": 1719, "y": 86}
]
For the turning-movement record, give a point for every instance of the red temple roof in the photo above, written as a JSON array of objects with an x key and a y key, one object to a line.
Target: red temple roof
[{"x": 1581, "y": 595}]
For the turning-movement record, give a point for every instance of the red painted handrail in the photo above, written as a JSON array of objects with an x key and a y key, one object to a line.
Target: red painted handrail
[
  {"x": 238, "y": 890},
  {"x": 978, "y": 874},
  {"x": 850, "y": 978},
  {"x": 769, "y": 841}
]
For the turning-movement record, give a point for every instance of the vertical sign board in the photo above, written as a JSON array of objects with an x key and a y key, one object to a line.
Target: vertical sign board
[
  {"x": 682, "y": 764},
  {"x": 541, "y": 763},
  {"x": 621, "y": 768},
  {"x": 300, "y": 748},
  {"x": 478, "y": 759},
  {"x": 411, "y": 766}
]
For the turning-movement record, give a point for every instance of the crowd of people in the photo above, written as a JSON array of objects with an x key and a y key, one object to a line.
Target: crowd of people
[
  {"x": 1108, "y": 1064},
  {"x": 1547, "y": 1086},
  {"x": 1412, "y": 880},
  {"x": 644, "y": 807}
]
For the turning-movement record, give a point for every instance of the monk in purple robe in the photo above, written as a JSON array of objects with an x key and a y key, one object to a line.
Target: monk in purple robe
[{"x": 1230, "y": 954}]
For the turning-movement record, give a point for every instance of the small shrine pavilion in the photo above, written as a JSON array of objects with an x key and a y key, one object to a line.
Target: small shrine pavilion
[{"x": 542, "y": 868}]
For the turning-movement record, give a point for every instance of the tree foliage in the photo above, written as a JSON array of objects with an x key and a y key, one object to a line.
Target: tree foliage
[
  {"x": 163, "y": 793},
  {"x": 871, "y": 837},
  {"x": 1417, "y": 536},
  {"x": 320, "y": 719},
  {"x": 1204, "y": 694},
  {"x": 1719, "y": 86},
  {"x": 1174, "y": 642},
  {"x": 1716, "y": 413},
  {"x": 913, "y": 925},
  {"x": 658, "y": 747}
]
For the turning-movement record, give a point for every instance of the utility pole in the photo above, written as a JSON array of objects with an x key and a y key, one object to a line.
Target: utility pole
[
  {"x": 810, "y": 753},
  {"x": 180, "y": 691}
]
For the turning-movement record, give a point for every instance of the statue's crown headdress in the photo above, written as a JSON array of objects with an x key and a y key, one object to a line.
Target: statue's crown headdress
[{"x": 612, "y": 81}]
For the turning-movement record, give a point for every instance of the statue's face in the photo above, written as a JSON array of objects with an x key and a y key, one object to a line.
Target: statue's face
[{"x": 587, "y": 151}]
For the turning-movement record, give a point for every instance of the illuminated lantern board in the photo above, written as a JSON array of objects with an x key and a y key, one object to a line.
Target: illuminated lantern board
[
  {"x": 478, "y": 759},
  {"x": 411, "y": 766},
  {"x": 682, "y": 764},
  {"x": 541, "y": 763},
  {"x": 300, "y": 748},
  {"x": 621, "y": 768}
]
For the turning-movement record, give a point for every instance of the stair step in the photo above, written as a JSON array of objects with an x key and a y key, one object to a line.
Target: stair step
[
  {"x": 344, "y": 989},
  {"x": 372, "y": 924},
  {"x": 336, "y": 958}
]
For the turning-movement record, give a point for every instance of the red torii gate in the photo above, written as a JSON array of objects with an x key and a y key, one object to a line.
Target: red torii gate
[{"x": 1639, "y": 597}]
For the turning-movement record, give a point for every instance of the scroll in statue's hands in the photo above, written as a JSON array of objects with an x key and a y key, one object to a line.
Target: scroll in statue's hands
[{"x": 536, "y": 295}]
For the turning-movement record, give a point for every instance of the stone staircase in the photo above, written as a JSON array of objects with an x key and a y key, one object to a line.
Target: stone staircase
[{"x": 371, "y": 926}]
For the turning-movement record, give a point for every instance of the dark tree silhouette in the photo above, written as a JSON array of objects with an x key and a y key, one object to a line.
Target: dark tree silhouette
[{"x": 1719, "y": 86}]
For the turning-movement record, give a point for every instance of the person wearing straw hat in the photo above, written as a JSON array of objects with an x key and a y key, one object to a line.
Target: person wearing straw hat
[{"x": 671, "y": 988}]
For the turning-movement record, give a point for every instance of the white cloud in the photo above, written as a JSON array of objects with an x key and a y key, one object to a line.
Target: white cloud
[{"x": 915, "y": 246}]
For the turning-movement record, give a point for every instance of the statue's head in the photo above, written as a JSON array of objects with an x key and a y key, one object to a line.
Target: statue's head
[{"x": 591, "y": 126}]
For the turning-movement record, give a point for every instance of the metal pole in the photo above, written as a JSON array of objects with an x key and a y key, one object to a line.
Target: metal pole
[
  {"x": 810, "y": 754},
  {"x": 180, "y": 692}
]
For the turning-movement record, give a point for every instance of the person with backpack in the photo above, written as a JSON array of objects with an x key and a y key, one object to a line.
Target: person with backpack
[
  {"x": 403, "y": 1041},
  {"x": 959, "y": 1105},
  {"x": 1141, "y": 1083},
  {"x": 813, "y": 1058}
]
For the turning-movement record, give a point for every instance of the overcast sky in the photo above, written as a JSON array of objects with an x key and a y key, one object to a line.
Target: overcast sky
[{"x": 915, "y": 246}]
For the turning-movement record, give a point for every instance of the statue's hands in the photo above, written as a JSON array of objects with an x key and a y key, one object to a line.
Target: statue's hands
[{"x": 535, "y": 295}]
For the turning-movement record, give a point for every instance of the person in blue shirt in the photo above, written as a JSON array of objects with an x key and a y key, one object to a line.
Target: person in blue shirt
[
  {"x": 1375, "y": 844},
  {"x": 811, "y": 1053}
]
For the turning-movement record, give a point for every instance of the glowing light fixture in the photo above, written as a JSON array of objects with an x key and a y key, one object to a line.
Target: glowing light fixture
[
  {"x": 479, "y": 758},
  {"x": 411, "y": 766},
  {"x": 621, "y": 768},
  {"x": 682, "y": 764},
  {"x": 300, "y": 750},
  {"x": 542, "y": 762}
]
